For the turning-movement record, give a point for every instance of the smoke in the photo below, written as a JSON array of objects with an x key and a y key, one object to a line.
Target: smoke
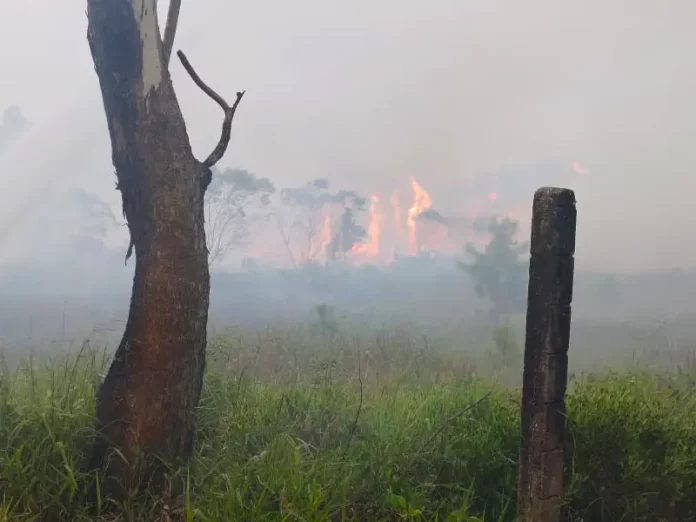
[{"x": 369, "y": 95}]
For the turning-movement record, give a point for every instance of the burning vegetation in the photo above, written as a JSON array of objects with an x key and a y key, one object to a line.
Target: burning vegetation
[
  {"x": 332, "y": 232},
  {"x": 315, "y": 223}
]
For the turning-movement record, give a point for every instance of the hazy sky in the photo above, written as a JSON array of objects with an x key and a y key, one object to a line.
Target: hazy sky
[{"x": 369, "y": 93}]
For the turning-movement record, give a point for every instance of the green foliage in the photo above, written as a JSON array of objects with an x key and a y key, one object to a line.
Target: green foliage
[
  {"x": 498, "y": 272},
  {"x": 632, "y": 447},
  {"x": 312, "y": 442}
]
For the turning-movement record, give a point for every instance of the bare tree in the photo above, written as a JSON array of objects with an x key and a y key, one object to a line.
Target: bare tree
[
  {"x": 147, "y": 402},
  {"x": 311, "y": 200},
  {"x": 235, "y": 197}
]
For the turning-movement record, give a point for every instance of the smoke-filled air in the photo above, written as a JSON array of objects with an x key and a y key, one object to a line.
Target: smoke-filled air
[{"x": 323, "y": 261}]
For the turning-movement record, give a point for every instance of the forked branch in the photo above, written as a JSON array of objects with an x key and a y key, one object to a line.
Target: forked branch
[
  {"x": 170, "y": 29},
  {"x": 219, "y": 150}
]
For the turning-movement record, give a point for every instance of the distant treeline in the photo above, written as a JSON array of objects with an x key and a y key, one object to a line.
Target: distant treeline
[{"x": 419, "y": 291}]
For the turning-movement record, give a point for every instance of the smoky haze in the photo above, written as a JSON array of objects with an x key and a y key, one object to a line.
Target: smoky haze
[{"x": 370, "y": 94}]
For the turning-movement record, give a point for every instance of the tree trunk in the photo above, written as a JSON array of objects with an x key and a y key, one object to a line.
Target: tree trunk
[{"x": 146, "y": 404}]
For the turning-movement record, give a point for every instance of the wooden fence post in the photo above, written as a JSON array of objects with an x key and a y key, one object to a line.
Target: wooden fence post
[{"x": 540, "y": 480}]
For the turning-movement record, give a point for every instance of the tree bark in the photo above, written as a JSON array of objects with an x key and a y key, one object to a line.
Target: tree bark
[
  {"x": 545, "y": 376},
  {"x": 147, "y": 402}
]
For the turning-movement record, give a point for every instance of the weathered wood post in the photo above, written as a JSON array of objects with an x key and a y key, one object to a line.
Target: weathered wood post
[{"x": 540, "y": 485}]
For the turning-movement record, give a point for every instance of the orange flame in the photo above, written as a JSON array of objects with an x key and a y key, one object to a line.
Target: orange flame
[
  {"x": 374, "y": 231},
  {"x": 326, "y": 232},
  {"x": 323, "y": 239},
  {"x": 421, "y": 203}
]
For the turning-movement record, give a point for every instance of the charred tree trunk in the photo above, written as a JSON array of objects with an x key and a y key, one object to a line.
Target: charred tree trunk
[{"x": 147, "y": 402}]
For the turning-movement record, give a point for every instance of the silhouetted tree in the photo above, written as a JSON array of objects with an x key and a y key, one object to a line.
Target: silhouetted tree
[
  {"x": 310, "y": 202},
  {"x": 348, "y": 235},
  {"x": 234, "y": 198},
  {"x": 498, "y": 272}
]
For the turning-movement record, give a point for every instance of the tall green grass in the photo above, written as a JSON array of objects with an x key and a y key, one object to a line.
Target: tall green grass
[{"x": 353, "y": 429}]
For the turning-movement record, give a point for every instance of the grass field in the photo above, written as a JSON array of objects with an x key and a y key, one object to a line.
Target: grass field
[{"x": 369, "y": 427}]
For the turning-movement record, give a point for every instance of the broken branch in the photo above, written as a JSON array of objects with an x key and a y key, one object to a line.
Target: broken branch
[
  {"x": 219, "y": 150},
  {"x": 170, "y": 29},
  {"x": 130, "y": 250}
]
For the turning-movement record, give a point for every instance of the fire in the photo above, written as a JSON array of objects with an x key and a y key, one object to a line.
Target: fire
[
  {"x": 323, "y": 239},
  {"x": 398, "y": 231},
  {"x": 374, "y": 231},
  {"x": 326, "y": 233},
  {"x": 397, "y": 223},
  {"x": 421, "y": 203}
]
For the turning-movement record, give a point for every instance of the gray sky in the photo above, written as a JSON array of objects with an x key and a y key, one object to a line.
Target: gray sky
[{"x": 369, "y": 93}]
